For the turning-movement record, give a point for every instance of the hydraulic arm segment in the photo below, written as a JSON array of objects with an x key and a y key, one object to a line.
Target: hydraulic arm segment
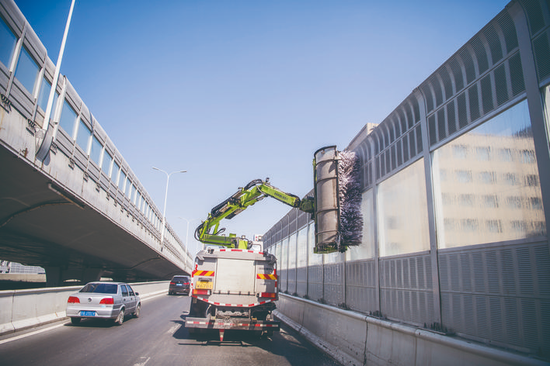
[{"x": 209, "y": 232}]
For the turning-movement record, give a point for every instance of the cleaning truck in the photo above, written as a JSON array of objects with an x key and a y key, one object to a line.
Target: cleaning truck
[{"x": 235, "y": 286}]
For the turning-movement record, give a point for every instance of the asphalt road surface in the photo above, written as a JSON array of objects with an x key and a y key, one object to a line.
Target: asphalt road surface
[{"x": 157, "y": 337}]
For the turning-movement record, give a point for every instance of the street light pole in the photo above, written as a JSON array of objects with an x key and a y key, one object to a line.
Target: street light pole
[
  {"x": 187, "y": 232},
  {"x": 47, "y": 138},
  {"x": 165, "y": 199}
]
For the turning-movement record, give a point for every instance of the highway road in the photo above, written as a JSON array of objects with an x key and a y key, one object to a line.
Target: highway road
[{"x": 157, "y": 337}]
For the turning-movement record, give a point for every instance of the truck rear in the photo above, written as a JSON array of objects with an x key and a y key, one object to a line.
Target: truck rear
[{"x": 233, "y": 289}]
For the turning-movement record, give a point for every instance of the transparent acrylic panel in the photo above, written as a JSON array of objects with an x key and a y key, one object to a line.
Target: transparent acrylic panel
[
  {"x": 27, "y": 70},
  {"x": 292, "y": 251},
  {"x": 67, "y": 119},
  {"x": 284, "y": 254},
  {"x": 278, "y": 254},
  {"x": 336, "y": 257},
  {"x": 106, "y": 164},
  {"x": 95, "y": 152},
  {"x": 546, "y": 96},
  {"x": 44, "y": 94},
  {"x": 83, "y": 136},
  {"x": 129, "y": 191},
  {"x": 494, "y": 194},
  {"x": 7, "y": 43},
  {"x": 402, "y": 212},
  {"x": 312, "y": 258},
  {"x": 138, "y": 201},
  {"x": 366, "y": 249},
  {"x": 301, "y": 248},
  {"x": 122, "y": 182},
  {"x": 115, "y": 173}
]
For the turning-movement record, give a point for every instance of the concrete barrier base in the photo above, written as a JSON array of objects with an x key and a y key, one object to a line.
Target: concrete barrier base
[{"x": 356, "y": 339}]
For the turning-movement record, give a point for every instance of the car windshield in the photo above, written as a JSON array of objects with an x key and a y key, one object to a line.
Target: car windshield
[
  {"x": 184, "y": 279},
  {"x": 104, "y": 288}
]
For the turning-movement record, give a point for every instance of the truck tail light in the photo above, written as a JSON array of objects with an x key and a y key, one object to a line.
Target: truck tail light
[
  {"x": 201, "y": 292},
  {"x": 107, "y": 301},
  {"x": 73, "y": 300},
  {"x": 270, "y": 295}
]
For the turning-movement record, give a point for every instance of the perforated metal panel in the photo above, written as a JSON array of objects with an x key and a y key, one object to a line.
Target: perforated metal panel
[
  {"x": 315, "y": 282},
  {"x": 334, "y": 283},
  {"x": 361, "y": 292},
  {"x": 498, "y": 293}
]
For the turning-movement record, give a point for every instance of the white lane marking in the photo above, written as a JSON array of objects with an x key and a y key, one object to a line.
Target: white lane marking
[
  {"x": 173, "y": 329},
  {"x": 31, "y": 333},
  {"x": 142, "y": 363},
  {"x": 153, "y": 297}
]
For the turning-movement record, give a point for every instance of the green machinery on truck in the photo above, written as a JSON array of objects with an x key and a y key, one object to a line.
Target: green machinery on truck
[
  {"x": 209, "y": 231},
  {"x": 235, "y": 287}
]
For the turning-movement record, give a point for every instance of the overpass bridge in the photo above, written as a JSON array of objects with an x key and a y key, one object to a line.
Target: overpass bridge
[{"x": 81, "y": 213}]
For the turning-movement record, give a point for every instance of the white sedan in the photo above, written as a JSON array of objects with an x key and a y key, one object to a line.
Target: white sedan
[{"x": 106, "y": 300}]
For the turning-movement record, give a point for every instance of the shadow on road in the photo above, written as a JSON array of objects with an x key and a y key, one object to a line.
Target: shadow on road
[{"x": 286, "y": 343}]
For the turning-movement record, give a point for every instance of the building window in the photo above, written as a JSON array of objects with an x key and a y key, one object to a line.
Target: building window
[
  {"x": 464, "y": 176},
  {"x": 482, "y": 153},
  {"x": 487, "y": 177}
]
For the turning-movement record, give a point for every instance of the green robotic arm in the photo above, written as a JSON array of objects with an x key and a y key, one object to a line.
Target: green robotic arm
[{"x": 209, "y": 232}]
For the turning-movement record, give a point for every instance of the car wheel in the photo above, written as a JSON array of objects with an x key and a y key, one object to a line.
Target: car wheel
[
  {"x": 138, "y": 311},
  {"x": 120, "y": 318},
  {"x": 75, "y": 321}
]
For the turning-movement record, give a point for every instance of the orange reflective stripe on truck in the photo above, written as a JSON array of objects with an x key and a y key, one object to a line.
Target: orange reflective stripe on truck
[
  {"x": 203, "y": 273},
  {"x": 266, "y": 277}
]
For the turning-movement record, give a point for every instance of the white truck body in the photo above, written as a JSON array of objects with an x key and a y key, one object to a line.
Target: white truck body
[{"x": 233, "y": 289}]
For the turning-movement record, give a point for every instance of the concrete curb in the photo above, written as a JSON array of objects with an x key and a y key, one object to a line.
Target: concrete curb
[{"x": 322, "y": 345}]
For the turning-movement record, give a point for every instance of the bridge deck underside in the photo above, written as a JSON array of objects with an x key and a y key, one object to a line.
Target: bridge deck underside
[{"x": 39, "y": 226}]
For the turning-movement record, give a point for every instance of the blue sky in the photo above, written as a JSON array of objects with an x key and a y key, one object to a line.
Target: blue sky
[{"x": 233, "y": 91}]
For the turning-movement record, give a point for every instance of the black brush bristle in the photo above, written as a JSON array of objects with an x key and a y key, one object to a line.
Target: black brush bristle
[{"x": 351, "y": 218}]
